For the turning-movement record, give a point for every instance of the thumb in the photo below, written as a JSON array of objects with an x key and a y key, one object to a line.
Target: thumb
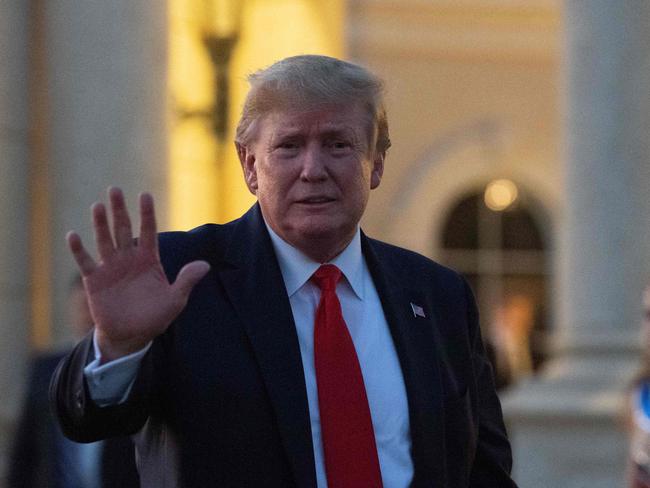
[{"x": 189, "y": 276}]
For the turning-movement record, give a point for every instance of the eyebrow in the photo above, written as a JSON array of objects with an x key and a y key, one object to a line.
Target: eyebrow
[{"x": 326, "y": 132}]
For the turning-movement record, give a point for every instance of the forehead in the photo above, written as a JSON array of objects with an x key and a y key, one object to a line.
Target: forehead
[{"x": 315, "y": 120}]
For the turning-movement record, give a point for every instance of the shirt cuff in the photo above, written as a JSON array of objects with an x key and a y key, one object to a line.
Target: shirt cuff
[{"x": 110, "y": 383}]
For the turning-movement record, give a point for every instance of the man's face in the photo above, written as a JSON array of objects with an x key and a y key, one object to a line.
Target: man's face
[{"x": 312, "y": 172}]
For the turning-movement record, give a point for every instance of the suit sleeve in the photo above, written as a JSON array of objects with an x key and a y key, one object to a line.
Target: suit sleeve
[
  {"x": 80, "y": 418},
  {"x": 493, "y": 459}
]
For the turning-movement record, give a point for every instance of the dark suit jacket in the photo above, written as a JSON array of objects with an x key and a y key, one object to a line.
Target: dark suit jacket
[
  {"x": 36, "y": 446},
  {"x": 226, "y": 380}
]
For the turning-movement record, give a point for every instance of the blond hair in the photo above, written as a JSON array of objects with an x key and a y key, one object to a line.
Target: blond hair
[{"x": 309, "y": 81}]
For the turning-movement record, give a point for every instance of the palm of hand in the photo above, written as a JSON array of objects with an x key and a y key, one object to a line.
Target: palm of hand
[{"x": 130, "y": 298}]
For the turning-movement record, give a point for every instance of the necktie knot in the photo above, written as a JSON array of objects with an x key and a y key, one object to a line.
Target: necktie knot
[{"x": 327, "y": 276}]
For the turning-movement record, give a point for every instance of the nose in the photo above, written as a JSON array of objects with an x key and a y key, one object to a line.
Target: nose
[{"x": 314, "y": 165}]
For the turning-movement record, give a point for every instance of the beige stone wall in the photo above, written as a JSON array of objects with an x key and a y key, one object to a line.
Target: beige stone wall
[
  {"x": 473, "y": 94},
  {"x": 549, "y": 94},
  {"x": 14, "y": 212},
  {"x": 106, "y": 66}
]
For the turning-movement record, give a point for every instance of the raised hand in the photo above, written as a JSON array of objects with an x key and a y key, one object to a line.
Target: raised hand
[{"x": 130, "y": 299}]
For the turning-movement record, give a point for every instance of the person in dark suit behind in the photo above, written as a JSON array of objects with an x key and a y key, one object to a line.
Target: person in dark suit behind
[
  {"x": 291, "y": 350},
  {"x": 41, "y": 457}
]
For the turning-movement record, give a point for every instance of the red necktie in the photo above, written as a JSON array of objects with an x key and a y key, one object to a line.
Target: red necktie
[{"x": 346, "y": 425}]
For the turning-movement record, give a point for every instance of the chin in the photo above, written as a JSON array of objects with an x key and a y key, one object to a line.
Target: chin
[
  {"x": 326, "y": 235},
  {"x": 314, "y": 232}
]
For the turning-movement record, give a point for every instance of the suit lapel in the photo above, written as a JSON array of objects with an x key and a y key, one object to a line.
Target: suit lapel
[
  {"x": 416, "y": 341},
  {"x": 256, "y": 289},
  {"x": 255, "y": 286}
]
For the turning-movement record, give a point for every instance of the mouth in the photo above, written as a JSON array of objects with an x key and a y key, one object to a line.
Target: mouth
[{"x": 316, "y": 200}]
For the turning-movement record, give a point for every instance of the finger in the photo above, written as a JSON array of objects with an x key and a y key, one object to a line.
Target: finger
[
  {"x": 148, "y": 232},
  {"x": 121, "y": 221},
  {"x": 189, "y": 276},
  {"x": 85, "y": 262},
  {"x": 103, "y": 238}
]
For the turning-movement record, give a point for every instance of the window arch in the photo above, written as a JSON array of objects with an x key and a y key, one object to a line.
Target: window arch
[{"x": 502, "y": 253}]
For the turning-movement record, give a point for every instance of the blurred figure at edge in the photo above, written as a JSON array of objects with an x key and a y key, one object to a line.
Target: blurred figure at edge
[
  {"x": 41, "y": 456},
  {"x": 639, "y": 411}
]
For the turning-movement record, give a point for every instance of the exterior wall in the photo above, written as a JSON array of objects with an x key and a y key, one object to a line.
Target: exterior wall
[
  {"x": 465, "y": 105},
  {"x": 604, "y": 249},
  {"x": 14, "y": 212},
  {"x": 96, "y": 74},
  {"x": 107, "y": 85},
  {"x": 474, "y": 93},
  {"x": 479, "y": 90}
]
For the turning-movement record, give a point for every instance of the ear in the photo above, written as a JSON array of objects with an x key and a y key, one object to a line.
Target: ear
[
  {"x": 377, "y": 169},
  {"x": 247, "y": 160}
]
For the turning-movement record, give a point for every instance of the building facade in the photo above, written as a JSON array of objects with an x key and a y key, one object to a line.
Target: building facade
[{"x": 520, "y": 157}]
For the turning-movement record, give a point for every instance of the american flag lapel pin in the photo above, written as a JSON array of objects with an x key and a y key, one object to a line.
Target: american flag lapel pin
[{"x": 418, "y": 311}]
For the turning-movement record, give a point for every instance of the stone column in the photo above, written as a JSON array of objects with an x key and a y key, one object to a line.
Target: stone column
[
  {"x": 14, "y": 212},
  {"x": 107, "y": 69},
  {"x": 566, "y": 426},
  {"x": 608, "y": 154}
]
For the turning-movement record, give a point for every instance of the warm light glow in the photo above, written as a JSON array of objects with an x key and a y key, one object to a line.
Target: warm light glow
[
  {"x": 298, "y": 27},
  {"x": 500, "y": 194},
  {"x": 205, "y": 177}
]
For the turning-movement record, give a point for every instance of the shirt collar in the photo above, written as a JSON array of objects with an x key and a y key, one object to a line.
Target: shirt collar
[{"x": 297, "y": 268}]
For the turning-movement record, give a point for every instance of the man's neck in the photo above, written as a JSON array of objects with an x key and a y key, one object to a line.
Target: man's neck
[{"x": 318, "y": 250}]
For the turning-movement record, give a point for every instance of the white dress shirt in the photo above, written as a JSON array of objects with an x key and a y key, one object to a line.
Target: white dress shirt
[
  {"x": 364, "y": 316},
  {"x": 382, "y": 375}
]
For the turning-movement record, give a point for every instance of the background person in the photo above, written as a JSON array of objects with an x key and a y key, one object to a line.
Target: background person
[
  {"x": 41, "y": 457},
  {"x": 639, "y": 411}
]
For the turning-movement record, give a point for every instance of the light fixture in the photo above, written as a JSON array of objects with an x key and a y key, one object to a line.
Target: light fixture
[{"x": 500, "y": 194}]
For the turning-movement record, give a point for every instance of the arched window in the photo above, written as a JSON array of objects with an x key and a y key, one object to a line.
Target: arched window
[{"x": 494, "y": 240}]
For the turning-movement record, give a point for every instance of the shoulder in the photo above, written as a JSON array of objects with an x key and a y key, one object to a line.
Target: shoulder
[
  {"x": 207, "y": 242},
  {"x": 196, "y": 239},
  {"x": 414, "y": 267}
]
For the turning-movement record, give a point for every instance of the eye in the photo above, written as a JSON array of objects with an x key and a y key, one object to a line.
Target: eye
[
  {"x": 338, "y": 145},
  {"x": 287, "y": 145}
]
